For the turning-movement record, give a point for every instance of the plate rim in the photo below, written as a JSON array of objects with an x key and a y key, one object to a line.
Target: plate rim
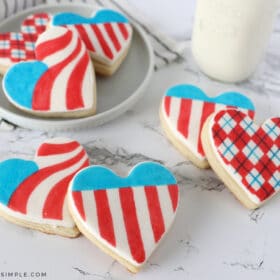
[{"x": 47, "y": 124}]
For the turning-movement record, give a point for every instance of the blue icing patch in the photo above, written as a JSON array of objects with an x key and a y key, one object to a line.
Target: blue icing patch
[
  {"x": 20, "y": 81},
  {"x": 99, "y": 177},
  {"x": 13, "y": 173},
  {"x": 228, "y": 98},
  {"x": 102, "y": 16}
]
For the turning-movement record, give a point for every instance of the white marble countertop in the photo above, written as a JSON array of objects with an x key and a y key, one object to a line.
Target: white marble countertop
[{"x": 213, "y": 237}]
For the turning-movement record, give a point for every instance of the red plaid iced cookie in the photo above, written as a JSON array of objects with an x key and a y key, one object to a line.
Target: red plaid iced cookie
[
  {"x": 19, "y": 46},
  {"x": 107, "y": 35},
  {"x": 125, "y": 217},
  {"x": 33, "y": 192},
  {"x": 244, "y": 155},
  {"x": 184, "y": 110}
]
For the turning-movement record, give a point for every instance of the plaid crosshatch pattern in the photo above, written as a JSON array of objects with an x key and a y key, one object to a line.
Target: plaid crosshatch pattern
[
  {"x": 19, "y": 46},
  {"x": 252, "y": 153},
  {"x": 35, "y": 24}
]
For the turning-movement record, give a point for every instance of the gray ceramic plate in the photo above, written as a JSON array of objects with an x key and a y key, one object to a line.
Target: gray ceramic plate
[{"x": 116, "y": 94}]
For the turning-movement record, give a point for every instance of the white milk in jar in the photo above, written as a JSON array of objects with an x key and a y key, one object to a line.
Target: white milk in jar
[{"x": 230, "y": 36}]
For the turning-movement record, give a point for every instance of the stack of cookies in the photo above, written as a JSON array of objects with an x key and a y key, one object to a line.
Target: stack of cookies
[{"x": 49, "y": 66}]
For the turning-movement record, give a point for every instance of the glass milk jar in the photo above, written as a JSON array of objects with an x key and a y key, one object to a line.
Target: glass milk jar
[{"x": 230, "y": 36}]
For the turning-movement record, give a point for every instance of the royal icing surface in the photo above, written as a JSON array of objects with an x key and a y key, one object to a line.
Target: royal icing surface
[
  {"x": 107, "y": 34},
  {"x": 61, "y": 80},
  {"x": 19, "y": 46},
  {"x": 248, "y": 152},
  {"x": 35, "y": 191},
  {"x": 186, "y": 107},
  {"x": 129, "y": 215}
]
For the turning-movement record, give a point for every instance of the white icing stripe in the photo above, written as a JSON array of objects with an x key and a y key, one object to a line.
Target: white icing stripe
[
  {"x": 124, "y": 43},
  {"x": 37, "y": 199},
  {"x": 219, "y": 107},
  {"x": 87, "y": 86},
  {"x": 165, "y": 205},
  {"x": 144, "y": 220},
  {"x": 129, "y": 30},
  {"x": 118, "y": 222},
  {"x": 119, "y": 35},
  {"x": 52, "y": 33},
  {"x": 59, "y": 90},
  {"x": 66, "y": 214},
  {"x": 90, "y": 211},
  {"x": 44, "y": 161},
  {"x": 194, "y": 124},
  {"x": 174, "y": 111}
]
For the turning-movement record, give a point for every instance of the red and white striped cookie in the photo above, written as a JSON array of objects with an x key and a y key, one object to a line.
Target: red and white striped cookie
[
  {"x": 33, "y": 193},
  {"x": 125, "y": 217},
  {"x": 20, "y": 46},
  {"x": 183, "y": 112},
  {"x": 60, "y": 83},
  {"x": 107, "y": 36}
]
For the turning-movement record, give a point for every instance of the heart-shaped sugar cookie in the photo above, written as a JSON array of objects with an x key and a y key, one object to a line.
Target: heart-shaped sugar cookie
[
  {"x": 60, "y": 83},
  {"x": 184, "y": 110},
  {"x": 107, "y": 35},
  {"x": 125, "y": 217},
  {"x": 19, "y": 46},
  {"x": 244, "y": 155},
  {"x": 33, "y": 193}
]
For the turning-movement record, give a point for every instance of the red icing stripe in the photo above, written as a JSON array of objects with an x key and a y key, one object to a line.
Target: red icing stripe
[
  {"x": 43, "y": 89},
  {"x": 207, "y": 110},
  {"x": 156, "y": 217},
  {"x": 184, "y": 117},
  {"x": 48, "y": 149},
  {"x": 19, "y": 198},
  {"x": 123, "y": 30},
  {"x": 167, "y": 102},
  {"x": 174, "y": 194},
  {"x": 74, "y": 94},
  {"x": 53, "y": 207},
  {"x": 105, "y": 47},
  {"x": 84, "y": 35},
  {"x": 112, "y": 35},
  {"x": 105, "y": 221},
  {"x": 131, "y": 224},
  {"x": 251, "y": 114},
  {"x": 46, "y": 49},
  {"x": 78, "y": 200}
]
